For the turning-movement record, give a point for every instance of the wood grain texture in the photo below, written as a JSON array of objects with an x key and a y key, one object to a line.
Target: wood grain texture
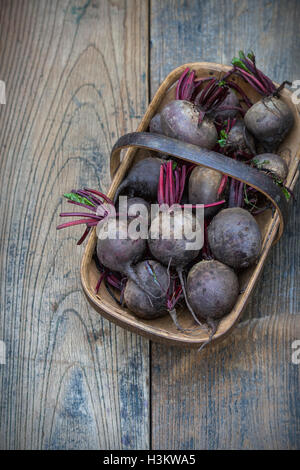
[
  {"x": 242, "y": 393},
  {"x": 76, "y": 79}
]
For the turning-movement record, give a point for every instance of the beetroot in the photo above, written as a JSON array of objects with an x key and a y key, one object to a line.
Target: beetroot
[
  {"x": 272, "y": 163},
  {"x": 239, "y": 139},
  {"x": 212, "y": 290},
  {"x": 142, "y": 180},
  {"x": 182, "y": 120},
  {"x": 155, "y": 279},
  {"x": 119, "y": 254},
  {"x": 132, "y": 203},
  {"x": 234, "y": 237},
  {"x": 155, "y": 124},
  {"x": 204, "y": 185},
  {"x": 172, "y": 251},
  {"x": 270, "y": 119}
]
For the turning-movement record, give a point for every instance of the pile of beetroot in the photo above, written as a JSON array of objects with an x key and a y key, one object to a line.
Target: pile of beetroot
[{"x": 151, "y": 276}]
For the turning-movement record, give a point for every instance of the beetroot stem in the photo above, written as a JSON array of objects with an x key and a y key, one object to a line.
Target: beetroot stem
[
  {"x": 85, "y": 234},
  {"x": 99, "y": 282},
  {"x": 253, "y": 81},
  {"x": 241, "y": 92},
  {"x": 222, "y": 184},
  {"x": 91, "y": 222},
  {"x": 177, "y": 183},
  {"x": 79, "y": 214},
  {"x": 160, "y": 195},
  {"x": 182, "y": 183},
  {"x": 171, "y": 183},
  {"x": 86, "y": 206},
  {"x": 186, "y": 71},
  {"x": 93, "y": 191}
]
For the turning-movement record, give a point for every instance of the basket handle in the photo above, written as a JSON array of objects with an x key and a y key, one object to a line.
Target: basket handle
[{"x": 208, "y": 158}]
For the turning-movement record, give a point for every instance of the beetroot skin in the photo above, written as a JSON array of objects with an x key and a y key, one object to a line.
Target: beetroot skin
[
  {"x": 269, "y": 120},
  {"x": 234, "y": 237},
  {"x": 212, "y": 289},
  {"x": 239, "y": 139},
  {"x": 203, "y": 188},
  {"x": 155, "y": 278},
  {"x": 272, "y": 163},
  {"x": 180, "y": 119},
  {"x": 121, "y": 254},
  {"x": 170, "y": 250},
  {"x": 142, "y": 180}
]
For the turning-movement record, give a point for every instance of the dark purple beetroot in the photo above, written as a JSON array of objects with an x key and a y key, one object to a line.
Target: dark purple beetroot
[
  {"x": 155, "y": 124},
  {"x": 272, "y": 163},
  {"x": 120, "y": 254},
  {"x": 142, "y": 180},
  {"x": 155, "y": 278},
  {"x": 234, "y": 238},
  {"x": 203, "y": 188},
  {"x": 180, "y": 119},
  {"x": 269, "y": 120},
  {"x": 171, "y": 250},
  {"x": 212, "y": 289},
  {"x": 132, "y": 202},
  {"x": 239, "y": 139}
]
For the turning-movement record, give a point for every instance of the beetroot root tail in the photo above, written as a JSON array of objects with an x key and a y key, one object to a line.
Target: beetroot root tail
[
  {"x": 213, "y": 328},
  {"x": 179, "y": 271}
]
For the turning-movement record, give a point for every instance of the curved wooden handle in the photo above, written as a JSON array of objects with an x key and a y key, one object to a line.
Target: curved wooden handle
[{"x": 208, "y": 158}]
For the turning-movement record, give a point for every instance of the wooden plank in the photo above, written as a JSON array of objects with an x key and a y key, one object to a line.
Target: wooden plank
[
  {"x": 76, "y": 78},
  {"x": 242, "y": 393}
]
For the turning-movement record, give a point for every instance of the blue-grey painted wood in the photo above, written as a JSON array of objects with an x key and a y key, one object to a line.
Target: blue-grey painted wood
[
  {"x": 75, "y": 74},
  {"x": 243, "y": 393}
]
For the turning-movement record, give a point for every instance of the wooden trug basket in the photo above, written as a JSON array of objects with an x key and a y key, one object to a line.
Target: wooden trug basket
[{"x": 163, "y": 329}]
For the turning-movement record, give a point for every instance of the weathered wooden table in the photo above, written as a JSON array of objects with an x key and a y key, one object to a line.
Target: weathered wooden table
[{"x": 79, "y": 74}]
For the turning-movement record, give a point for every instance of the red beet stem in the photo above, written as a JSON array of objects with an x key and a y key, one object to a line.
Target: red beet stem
[
  {"x": 79, "y": 214},
  {"x": 229, "y": 108},
  {"x": 86, "y": 206},
  {"x": 160, "y": 191},
  {"x": 253, "y": 81},
  {"x": 194, "y": 206},
  {"x": 182, "y": 182},
  {"x": 171, "y": 183},
  {"x": 177, "y": 184},
  {"x": 90, "y": 222},
  {"x": 236, "y": 87},
  {"x": 85, "y": 234},
  {"x": 178, "y": 87},
  {"x": 99, "y": 282},
  {"x": 222, "y": 184},
  {"x": 93, "y": 191}
]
